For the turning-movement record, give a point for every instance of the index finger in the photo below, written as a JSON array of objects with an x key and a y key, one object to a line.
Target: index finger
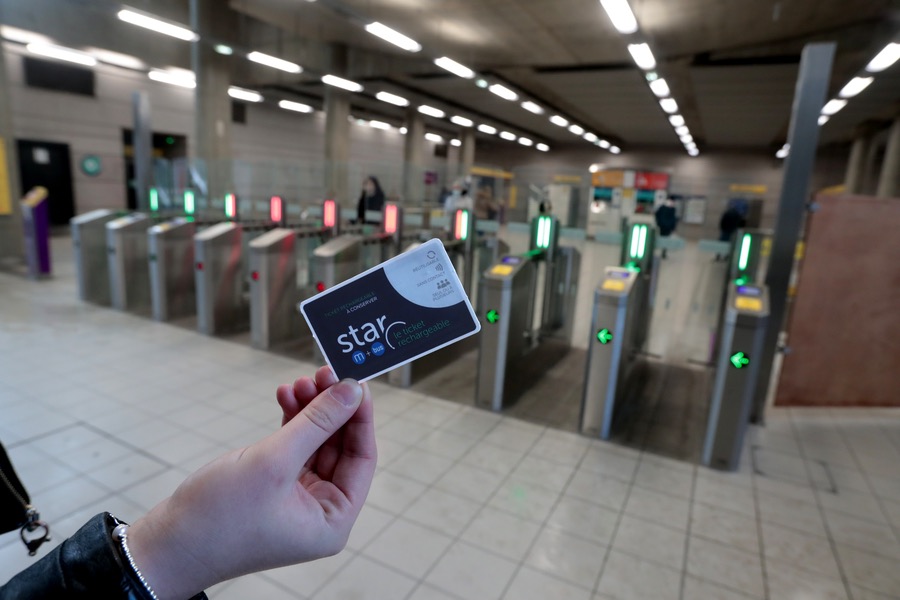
[{"x": 356, "y": 465}]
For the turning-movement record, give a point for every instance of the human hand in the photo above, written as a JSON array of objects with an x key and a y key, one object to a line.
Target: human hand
[{"x": 291, "y": 497}]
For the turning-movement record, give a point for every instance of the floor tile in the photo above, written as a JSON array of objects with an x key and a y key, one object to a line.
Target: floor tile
[
  {"x": 493, "y": 458},
  {"x": 533, "y": 584},
  {"x": 584, "y": 519},
  {"x": 650, "y": 541},
  {"x": 501, "y": 532},
  {"x": 443, "y": 511},
  {"x": 469, "y": 572},
  {"x": 408, "y": 547},
  {"x": 663, "y": 479},
  {"x": 726, "y": 566},
  {"x": 725, "y": 526},
  {"x": 545, "y": 473},
  {"x": 393, "y": 493},
  {"x": 306, "y": 578},
  {"x": 598, "y": 488},
  {"x": 627, "y": 577},
  {"x": 420, "y": 465},
  {"x": 651, "y": 505},
  {"x": 364, "y": 579},
  {"x": 370, "y": 523},
  {"x": 571, "y": 558},
  {"x": 785, "y": 581},
  {"x": 524, "y": 499},
  {"x": 870, "y": 571},
  {"x": 470, "y": 482},
  {"x": 809, "y": 552}
]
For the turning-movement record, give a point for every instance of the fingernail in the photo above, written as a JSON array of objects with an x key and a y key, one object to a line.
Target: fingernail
[{"x": 348, "y": 392}]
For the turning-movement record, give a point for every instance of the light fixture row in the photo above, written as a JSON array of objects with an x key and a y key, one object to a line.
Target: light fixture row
[
  {"x": 623, "y": 19},
  {"x": 885, "y": 58}
]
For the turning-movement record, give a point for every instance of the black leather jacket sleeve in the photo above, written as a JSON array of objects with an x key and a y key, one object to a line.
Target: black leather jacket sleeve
[{"x": 86, "y": 565}]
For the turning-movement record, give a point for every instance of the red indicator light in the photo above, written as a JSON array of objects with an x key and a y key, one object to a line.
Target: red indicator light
[
  {"x": 390, "y": 218},
  {"x": 329, "y": 213},
  {"x": 254, "y": 275},
  {"x": 457, "y": 231},
  {"x": 199, "y": 266},
  {"x": 275, "y": 209},
  {"x": 320, "y": 286}
]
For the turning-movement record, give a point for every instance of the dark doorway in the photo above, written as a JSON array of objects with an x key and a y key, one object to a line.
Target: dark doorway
[
  {"x": 165, "y": 145},
  {"x": 48, "y": 164}
]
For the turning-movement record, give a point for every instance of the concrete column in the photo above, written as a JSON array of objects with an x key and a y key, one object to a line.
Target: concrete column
[
  {"x": 414, "y": 158},
  {"x": 337, "y": 133},
  {"x": 11, "y": 240},
  {"x": 856, "y": 165},
  {"x": 212, "y": 105},
  {"x": 889, "y": 180},
  {"x": 467, "y": 151}
]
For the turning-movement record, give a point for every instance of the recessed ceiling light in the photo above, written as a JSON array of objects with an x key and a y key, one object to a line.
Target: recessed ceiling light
[
  {"x": 487, "y": 129},
  {"x": 340, "y": 82},
  {"x": 543, "y": 147},
  {"x": 392, "y": 99},
  {"x": 576, "y": 129},
  {"x": 246, "y": 95},
  {"x": 433, "y": 137},
  {"x": 158, "y": 25},
  {"x": 223, "y": 49},
  {"x": 621, "y": 15},
  {"x": 525, "y": 141},
  {"x": 591, "y": 137},
  {"x": 506, "y": 135},
  {"x": 456, "y": 143},
  {"x": 403, "y": 131},
  {"x": 394, "y": 37},
  {"x": 461, "y": 121},
  {"x": 482, "y": 83},
  {"x": 432, "y": 111},
  {"x": 171, "y": 78},
  {"x": 693, "y": 151},
  {"x": 676, "y": 120},
  {"x": 855, "y": 86},
  {"x": 603, "y": 144},
  {"x": 642, "y": 55},
  {"x": 558, "y": 120},
  {"x": 660, "y": 88},
  {"x": 682, "y": 129},
  {"x": 823, "y": 119},
  {"x": 115, "y": 58},
  {"x": 615, "y": 149},
  {"x": 295, "y": 106},
  {"x": 669, "y": 105},
  {"x": 532, "y": 107},
  {"x": 61, "y": 53},
  {"x": 454, "y": 67},
  {"x": 379, "y": 125},
  {"x": 884, "y": 59},
  {"x": 275, "y": 62},
  {"x": 504, "y": 92},
  {"x": 833, "y": 106}
]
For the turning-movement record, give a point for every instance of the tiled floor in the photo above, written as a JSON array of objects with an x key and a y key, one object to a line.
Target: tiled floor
[{"x": 105, "y": 411}]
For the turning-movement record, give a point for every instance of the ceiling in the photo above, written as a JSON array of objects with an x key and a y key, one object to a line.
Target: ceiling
[{"x": 731, "y": 64}]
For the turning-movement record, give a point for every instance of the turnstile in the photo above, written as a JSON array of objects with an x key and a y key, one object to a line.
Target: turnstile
[
  {"x": 279, "y": 278},
  {"x": 218, "y": 278},
  {"x": 129, "y": 274},
  {"x": 91, "y": 263},
  {"x": 613, "y": 344},
  {"x": 737, "y": 367},
  {"x": 171, "y": 264},
  {"x": 514, "y": 351}
]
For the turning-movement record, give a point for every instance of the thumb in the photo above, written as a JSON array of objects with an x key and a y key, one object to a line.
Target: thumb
[{"x": 322, "y": 418}]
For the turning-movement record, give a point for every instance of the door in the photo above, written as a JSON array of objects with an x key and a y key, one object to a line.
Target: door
[{"x": 48, "y": 164}]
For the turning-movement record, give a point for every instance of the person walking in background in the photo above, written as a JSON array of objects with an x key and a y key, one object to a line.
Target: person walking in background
[
  {"x": 732, "y": 220},
  {"x": 666, "y": 219},
  {"x": 371, "y": 198}
]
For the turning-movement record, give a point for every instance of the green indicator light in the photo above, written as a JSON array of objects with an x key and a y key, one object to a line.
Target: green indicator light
[
  {"x": 742, "y": 280},
  {"x": 492, "y": 316},
  {"x": 464, "y": 225},
  {"x": 745, "y": 251},
  {"x": 189, "y": 201},
  {"x": 548, "y": 228},
  {"x": 632, "y": 266},
  {"x": 642, "y": 241},
  {"x": 634, "y": 241},
  {"x": 154, "y": 199},
  {"x": 739, "y": 360},
  {"x": 604, "y": 336},
  {"x": 170, "y": 140}
]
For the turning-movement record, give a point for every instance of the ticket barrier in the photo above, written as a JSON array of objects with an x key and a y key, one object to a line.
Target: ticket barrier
[
  {"x": 614, "y": 344},
  {"x": 171, "y": 264},
  {"x": 521, "y": 339},
  {"x": 737, "y": 368},
  {"x": 36, "y": 226},
  {"x": 129, "y": 274},
  {"x": 467, "y": 252},
  {"x": 91, "y": 263}
]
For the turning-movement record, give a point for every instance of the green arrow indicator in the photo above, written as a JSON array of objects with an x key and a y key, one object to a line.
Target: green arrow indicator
[
  {"x": 604, "y": 336},
  {"x": 739, "y": 360},
  {"x": 493, "y": 316}
]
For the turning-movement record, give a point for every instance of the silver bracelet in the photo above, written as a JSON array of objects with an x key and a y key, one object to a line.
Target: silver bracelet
[{"x": 120, "y": 533}]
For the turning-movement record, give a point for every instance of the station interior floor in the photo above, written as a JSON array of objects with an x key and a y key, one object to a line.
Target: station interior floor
[{"x": 102, "y": 410}]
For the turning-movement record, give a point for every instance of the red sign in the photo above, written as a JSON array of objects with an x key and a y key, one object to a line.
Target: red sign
[{"x": 651, "y": 181}]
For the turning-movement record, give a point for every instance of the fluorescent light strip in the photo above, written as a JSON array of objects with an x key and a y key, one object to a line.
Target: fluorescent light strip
[
  {"x": 615, "y": 149},
  {"x": 660, "y": 88},
  {"x": 504, "y": 92},
  {"x": 242, "y": 94},
  {"x": 884, "y": 59},
  {"x": 487, "y": 129},
  {"x": 61, "y": 53},
  {"x": 669, "y": 105},
  {"x": 379, "y": 125},
  {"x": 295, "y": 106},
  {"x": 676, "y": 120},
  {"x": 833, "y": 106},
  {"x": 274, "y": 62},
  {"x": 23, "y": 36},
  {"x": 621, "y": 15},
  {"x": 172, "y": 78},
  {"x": 432, "y": 111},
  {"x": 461, "y": 121},
  {"x": 693, "y": 151},
  {"x": 115, "y": 58},
  {"x": 525, "y": 141},
  {"x": 433, "y": 137},
  {"x": 454, "y": 67},
  {"x": 642, "y": 55},
  {"x": 823, "y": 119},
  {"x": 392, "y": 99},
  {"x": 223, "y": 49},
  {"x": 682, "y": 130},
  {"x": 506, "y": 135},
  {"x": 543, "y": 147},
  {"x": 394, "y": 37},
  {"x": 558, "y": 120},
  {"x": 576, "y": 129},
  {"x": 456, "y": 143},
  {"x": 340, "y": 82},
  {"x": 159, "y": 26},
  {"x": 532, "y": 107},
  {"x": 590, "y": 137},
  {"x": 603, "y": 144},
  {"x": 855, "y": 86},
  {"x": 687, "y": 139}
]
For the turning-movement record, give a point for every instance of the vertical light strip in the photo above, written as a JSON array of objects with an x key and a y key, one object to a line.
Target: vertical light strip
[
  {"x": 634, "y": 241},
  {"x": 230, "y": 205},
  {"x": 643, "y": 242},
  {"x": 329, "y": 214},
  {"x": 189, "y": 201},
  {"x": 465, "y": 225},
  {"x": 275, "y": 209},
  {"x": 154, "y": 199},
  {"x": 745, "y": 251}
]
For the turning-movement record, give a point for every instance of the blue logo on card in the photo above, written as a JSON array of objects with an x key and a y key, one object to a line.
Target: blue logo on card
[
  {"x": 377, "y": 348},
  {"x": 359, "y": 357}
]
